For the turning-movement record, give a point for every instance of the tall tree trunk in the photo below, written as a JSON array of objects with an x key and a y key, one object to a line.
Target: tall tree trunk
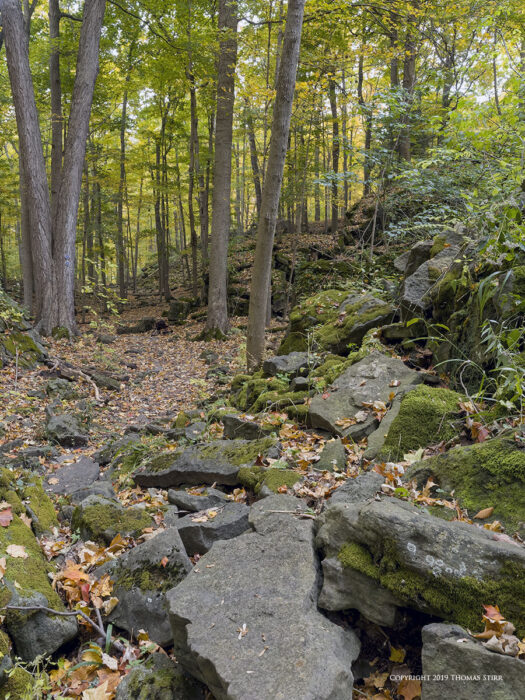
[
  {"x": 253, "y": 158},
  {"x": 272, "y": 184},
  {"x": 121, "y": 275},
  {"x": 367, "y": 114},
  {"x": 56, "y": 104},
  {"x": 26, "y": 259},
  {"x": 335, "y": 152},
  {"x": 217, "y": 320},
  {"x": 409, "y": 82}
]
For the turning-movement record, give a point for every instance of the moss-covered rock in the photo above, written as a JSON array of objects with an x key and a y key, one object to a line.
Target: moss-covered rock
[
  {"x": 427, "y": 416},
  {"x": 256, "y": 477},
  {"x": 100, "y": 519},
  {"x": 484, "y": 475},
  {"x": 18, "y": 685},
  {"x": 447, "y": 569},
  {"x": 239, "y": 452},
  {"x": 356, "y": 316},
  {"x": 40, "y": 507}
]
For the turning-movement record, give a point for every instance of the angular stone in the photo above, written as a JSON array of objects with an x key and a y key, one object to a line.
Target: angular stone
[
  {"x": 356, "y": 315},
  {"x": 292, "y": 364},
  {"x": 215, "y": 462},
  {"x": 251, "y": 606},
  {"x": 333, "y": 457},
  {"x": 345, "y": 588},
  {"x": 447, "y": 569},
  {"x": 206, "y": 498},
  {"x": 141, "y": 578},
  {"x": 300, "y": 384},
  {"x": 100, "y": 519},
  {"x": 200, "y": 530},
  {"x": 416, "y": 297},
  {"x": 466, "y": 669},
  {"x": 66, "y": 431},
  {"x": 108, "y": 452},
  {"x": 235, "y": 427},
  {"x": 363, "y": 383},
  {"x": 72, "y": 477},
  {"x": 488, "y": 474},
  {"x": 158, "y": 678},
  {"x": 362, "y": 488},
  {"x": 39, "y": 633},
  {"x": 417, "y": 255}
]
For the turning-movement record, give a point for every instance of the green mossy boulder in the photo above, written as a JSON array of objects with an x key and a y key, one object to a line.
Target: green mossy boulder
[
  {"x": 255, "y": 478},
  {"x": 427, "y": 415},
  {"x": 484, "y": 475},
  {"x": 100, "y": 519}
]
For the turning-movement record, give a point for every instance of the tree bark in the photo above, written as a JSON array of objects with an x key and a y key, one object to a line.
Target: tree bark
[
  {"x": 335, "y": 153},
  {"x": 217, "y": 319},
  {"x": 253, "y": 158},
  {"x": 56, "y": 104},
  {"x": 272, "y": 184},
  {"x": 409, "y": 82}
]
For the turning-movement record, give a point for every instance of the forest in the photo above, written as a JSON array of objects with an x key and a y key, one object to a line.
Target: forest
[{"x": 262, "y": 349}]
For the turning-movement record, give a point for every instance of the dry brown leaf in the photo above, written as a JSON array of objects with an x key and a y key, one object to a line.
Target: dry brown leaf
[
  {"x": 17, "y": 551},
  {"x": 485, "y": 513}
]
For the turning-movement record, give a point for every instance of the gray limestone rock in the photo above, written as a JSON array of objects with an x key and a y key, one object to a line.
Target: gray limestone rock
[
  {"x": 466, "y": 669},
  {"x": 369, "y": 380},
  {"x": 245, "y": 621},
  {"x": 200, "y": 530},
  {"x": 141, "y": 578}
]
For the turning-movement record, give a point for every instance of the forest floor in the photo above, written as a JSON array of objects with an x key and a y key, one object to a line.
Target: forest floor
[{"x": 161, "y": 373}]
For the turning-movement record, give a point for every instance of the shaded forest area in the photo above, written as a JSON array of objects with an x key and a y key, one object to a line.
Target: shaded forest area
[{"x": 262, "y": 349}]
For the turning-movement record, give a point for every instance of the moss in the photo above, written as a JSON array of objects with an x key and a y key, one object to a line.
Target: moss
[
  {"x": 28, "y": 352},
  {"x": 45, "y": 518},
  {"x": 14, "y": 499},
  {"x": 319, "y": 308},
  {"x": 181, "y": 421},
  {"x": 457, "y": 600},
  {"x": 254, "y": 387},
  {"x": 18, "y": 685},
  {"x": 487, "y": 474},
  {"x": 102, "y": 521},
  {"x": 250, "y": 476},
  {"x": 149, "y": 578},
  {"x": 161, "y": 462},
  {"x": 357, "y": 557},
  {"x": 255, "y": 478},
  {"x": 30, "y": 573},
  {"x": 424, "y": 418},
  {"x": 300, "y": 412},
  {"x": 438, "y": 246},
  {"x": 60, "y": 333},
  {"x": 296, "y": 341},
  {"x": 238, "y": 454},
  {"x": 275, "y": 399},
  {"x": 5, "y": 644},
  {"x": 275, "y": 478},
  {"x": 336, "y": 335}
]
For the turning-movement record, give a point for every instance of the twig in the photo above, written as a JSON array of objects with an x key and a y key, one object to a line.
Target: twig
[
  {"x": 73, "y": 613},
  {"x": 293, "y": 512}
]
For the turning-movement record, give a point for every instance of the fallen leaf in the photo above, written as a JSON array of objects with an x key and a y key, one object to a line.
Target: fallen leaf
[
  {"x": 26, "y": 520},
  {"x": 110, "y": 662},
  {"x": 53, "y": 480},
  {"x": 164, "y": 561},
  {"x": 17, "y": 551},
  {"x": 6, "y": 515},
  {"x": 485, "y": 513},
  {"x": 409, "y": 689},
  {"x": 397, "y": 655},
  {"x": 3, "y": 566},
  {"x": 101, "y": 692}
]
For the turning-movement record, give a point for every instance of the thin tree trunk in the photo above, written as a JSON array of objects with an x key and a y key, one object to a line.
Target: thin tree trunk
[
  {"x": 25, "y": 235},
  {"x": 56, "y": 104},
  {"x": 121, "y": 280},
  {"x": 217, "y": 320},
  {"x": 272, "y": 185},
  {"x": 335, "y": 153},
  {"x": 409, "y": 82},
  {"x": 253, "y": 158}
]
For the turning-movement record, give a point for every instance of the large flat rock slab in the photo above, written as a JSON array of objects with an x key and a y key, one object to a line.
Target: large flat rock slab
[
  {"x": 217, "y": 462},
  {"x": 376, "y": 378},
  {"x": 200, "y": 530},
  {"x": 73, "y": 477},
  {"x": 245, "y": 621}
]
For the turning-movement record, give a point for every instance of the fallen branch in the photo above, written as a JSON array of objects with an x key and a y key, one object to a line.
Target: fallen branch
[
  {"x": 72, "y": 373},
  {"x": 73, "y": 613}
]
